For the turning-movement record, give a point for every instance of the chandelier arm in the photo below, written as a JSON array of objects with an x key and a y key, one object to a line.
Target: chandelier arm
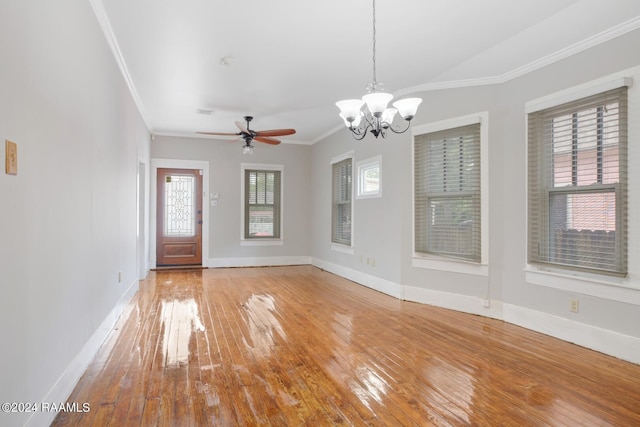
[
  {"x": 400, "y": 131},
  {"x": 360, "y": 132}
]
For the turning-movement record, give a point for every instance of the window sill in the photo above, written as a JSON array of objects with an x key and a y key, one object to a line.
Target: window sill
[
  {"x": 455, "y": 266},
  {"x": 342, "y": 248},
  {"x": 611, "y": 288},
  {"x": 261, "y": 242},
  {"x": 368, "y": 196}
]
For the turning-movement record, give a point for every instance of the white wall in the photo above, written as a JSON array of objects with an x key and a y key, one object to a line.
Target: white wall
[
  {"x": 68, "y": 219},
  {"x": 225, "y": 159},
  {"x": 608, "y": 317}
]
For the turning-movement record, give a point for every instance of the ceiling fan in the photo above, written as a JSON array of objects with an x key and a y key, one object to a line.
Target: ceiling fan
[{"x": 249, "y": 135}]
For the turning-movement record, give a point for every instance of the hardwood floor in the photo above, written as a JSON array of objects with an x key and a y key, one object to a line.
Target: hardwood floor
[{"x": 298, "y": 346}]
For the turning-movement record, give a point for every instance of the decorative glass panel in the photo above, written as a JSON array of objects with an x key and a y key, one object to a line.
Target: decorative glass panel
[{"x": 179, "y": 210}]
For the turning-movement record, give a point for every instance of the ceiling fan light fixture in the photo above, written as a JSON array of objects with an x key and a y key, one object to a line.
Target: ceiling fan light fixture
[
  {"x": 247, "y": 149},
  {"x": 377, "y": 117}
]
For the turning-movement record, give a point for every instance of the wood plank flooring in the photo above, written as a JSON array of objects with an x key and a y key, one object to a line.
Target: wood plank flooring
[{"x": 289, "y": 346}]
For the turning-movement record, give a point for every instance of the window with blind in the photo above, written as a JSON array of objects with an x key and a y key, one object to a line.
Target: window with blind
[
  {"x": 262, "y": 201},
  {"x": 341, "y": 219},
  {"x": 577, "y": 195},
  {"x": 447, "y": 193}
]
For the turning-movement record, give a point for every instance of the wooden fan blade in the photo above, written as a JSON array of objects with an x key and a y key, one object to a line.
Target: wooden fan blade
[
  {"x": 242, "y": 128},
  {"x": 266, "y": 140},
  {"x": 275, "y": 132},
  {"x": 218, "y": 133}
]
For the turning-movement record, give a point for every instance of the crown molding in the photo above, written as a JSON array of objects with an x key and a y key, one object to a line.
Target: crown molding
[
  {"x": 105, "y": 24},
  {"x": 595, "y": 40}
]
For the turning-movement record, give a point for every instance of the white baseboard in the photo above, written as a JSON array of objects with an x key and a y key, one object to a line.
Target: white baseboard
[
  {"x": 385, "y": 286},
  {"x": 602, "y": 340},
  {"x": 67, "y": 381},
  {"x": 605, "y": 341},
  {"x": 622, "y": 346},
  {"x": 258, "y": 261},
  {"x": 465, "y": 303}
]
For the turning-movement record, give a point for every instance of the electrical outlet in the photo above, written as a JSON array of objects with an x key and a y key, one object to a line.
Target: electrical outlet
[{"x": 574, "y": 305}]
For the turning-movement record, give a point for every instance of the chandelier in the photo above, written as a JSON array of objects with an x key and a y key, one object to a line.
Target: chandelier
[{"x": 376, "y": 117}]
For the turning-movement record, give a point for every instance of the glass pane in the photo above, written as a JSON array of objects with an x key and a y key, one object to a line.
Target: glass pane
[
  {"x": 585, "y": 147},
  {"x": 371, "y": 179},
  {"x": 260, "y": 221},
  {"x": 450, "y": 228},
  {"x": 582, "y": 229},
  {"x": 342, "y": 223},
  {"x": 179, "y": 211}
]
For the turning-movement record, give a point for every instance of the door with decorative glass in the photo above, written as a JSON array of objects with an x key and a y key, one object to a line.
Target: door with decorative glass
[{"x": 179, "y": 217}]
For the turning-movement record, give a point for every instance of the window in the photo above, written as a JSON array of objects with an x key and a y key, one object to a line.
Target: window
[
  {"x": 262, "y": 202},
  {"x": 342, "y": 214},
  {"x": 447, "y": 193},
  {"x": 369, "y": 178},
  {"x": 577, "y": 193}
]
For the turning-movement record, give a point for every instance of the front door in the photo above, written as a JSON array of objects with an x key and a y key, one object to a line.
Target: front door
[{"x": 179, "y": 217}]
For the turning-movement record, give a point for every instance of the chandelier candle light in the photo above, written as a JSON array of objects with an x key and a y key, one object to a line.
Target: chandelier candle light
[{"x": 376, "y": 118}]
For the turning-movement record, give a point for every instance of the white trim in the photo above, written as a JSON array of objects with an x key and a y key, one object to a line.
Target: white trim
[
  {"x": 65, "y": 384},
  {"x": 258, "y": 261},
  {"x": 262, "y": 167},
  {"x": 341, "y": 157},
  {"x": 440, "y": 263},
  {"x": 342, "y": 248},
  {"x": 610, "y": 288},
  {"x": 605, "y": 341},
  {"x": 178, "y": 164},
  {"x": 382, "y": 285},
  {"x": 112, "y": 41},
  {"x": 262, "y": 242},
  {"x": 577, "y": 92},
  {"x": 600, "y": 38},
  {"x": 361, "y": 167},
  {"x": 446, "y": 264},
  {"x": 625, "y": 347},
  {"x": 465, "y": 303}
]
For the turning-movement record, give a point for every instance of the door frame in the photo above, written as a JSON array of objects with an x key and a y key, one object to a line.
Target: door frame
[{"x": 179, "y": 164}]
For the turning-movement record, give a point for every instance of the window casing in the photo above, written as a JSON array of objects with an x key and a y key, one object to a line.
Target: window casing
[
  {"x": 262, "y": 204},
  {"x": 342, "y": 202},
  {"x": 447, "y": 193},
  {"x": 577, "y": 184}
]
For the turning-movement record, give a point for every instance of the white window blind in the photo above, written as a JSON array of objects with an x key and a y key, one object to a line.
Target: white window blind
[
  {"x": 577, "y": 191},
  {"x": 262, "y": 203},
  {"x": 341, "y": 222},
  {"x": 447, "y": 193}
]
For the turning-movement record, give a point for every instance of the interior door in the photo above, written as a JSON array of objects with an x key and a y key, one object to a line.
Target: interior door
[{"x": 179, "y": 217}]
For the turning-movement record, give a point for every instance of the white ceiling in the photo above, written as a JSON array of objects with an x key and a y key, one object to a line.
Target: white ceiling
[{"x": 293, "y": 59}]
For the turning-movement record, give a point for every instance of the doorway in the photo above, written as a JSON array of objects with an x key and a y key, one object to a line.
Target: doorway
[{"x": 178, "y": 217}]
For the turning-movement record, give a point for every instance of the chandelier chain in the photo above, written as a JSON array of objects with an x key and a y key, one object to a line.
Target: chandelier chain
[
  {"x": 375, "y": 79},
  {"x": 376, "y": 119}
]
